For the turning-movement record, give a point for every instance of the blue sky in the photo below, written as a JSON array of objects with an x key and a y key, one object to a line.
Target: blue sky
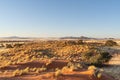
[{"x": 56, "y": 18}]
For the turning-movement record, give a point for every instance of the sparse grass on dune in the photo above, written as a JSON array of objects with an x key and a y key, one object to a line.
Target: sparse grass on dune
[{"x": 58, "y": 57}]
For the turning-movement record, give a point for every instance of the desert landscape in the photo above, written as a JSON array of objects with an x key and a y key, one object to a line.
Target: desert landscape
[
  {"x": 59, "y": 39},
  {"x": 61, "y": 59}
]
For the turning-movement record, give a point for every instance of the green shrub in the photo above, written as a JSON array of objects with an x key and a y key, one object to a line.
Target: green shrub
[
  {"x": 17, "y": 45},
  {"x": 8, "y": 46},
  {"x": 70, "y": 42},
  {"x": 110, "y": 43},
  {"x": 80, "y": 42},
  {"x": 96, "y": 57}
]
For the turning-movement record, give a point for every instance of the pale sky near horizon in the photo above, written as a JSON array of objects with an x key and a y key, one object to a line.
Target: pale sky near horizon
[{"x": 57, "y": 18}]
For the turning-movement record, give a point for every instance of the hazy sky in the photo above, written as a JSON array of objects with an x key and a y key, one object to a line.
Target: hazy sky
[{"x": 55, "y": 18}]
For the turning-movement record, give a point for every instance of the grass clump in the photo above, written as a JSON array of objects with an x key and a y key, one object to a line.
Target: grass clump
[
  {"x": 58, "y": 72},
  {"x": 110, "y": 43},
  {"x": 38, "y": 70},
  {"x": 21, "y": 72},
  {"x": 96, "y": 72},
  {"x": 17, "y": 73}
]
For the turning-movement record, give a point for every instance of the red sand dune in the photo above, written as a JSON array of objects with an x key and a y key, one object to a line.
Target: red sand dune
[{"x": 47, "y": 75}]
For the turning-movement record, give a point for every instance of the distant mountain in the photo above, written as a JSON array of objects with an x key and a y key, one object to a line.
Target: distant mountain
[
  {"x": 82, "y": 37},
  {"x": 68, "y": 37},
  {"x": 15, "y": 37}
]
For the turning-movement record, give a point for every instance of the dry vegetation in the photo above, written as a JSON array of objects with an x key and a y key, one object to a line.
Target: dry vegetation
[{"x": 52, "y": 59}]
